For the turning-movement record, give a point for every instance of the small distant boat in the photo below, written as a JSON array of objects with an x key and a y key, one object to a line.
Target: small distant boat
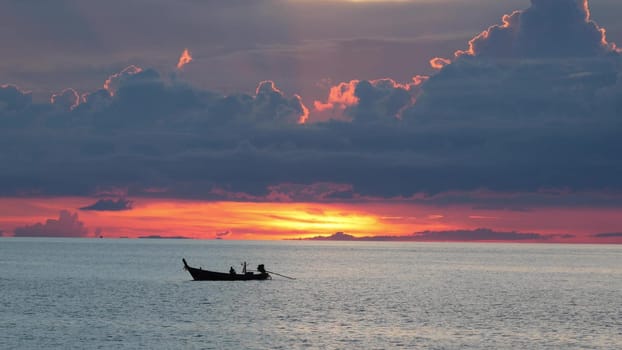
[{"x": 206, "y": 275}]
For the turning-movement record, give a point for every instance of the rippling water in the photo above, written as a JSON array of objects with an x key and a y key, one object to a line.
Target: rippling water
[{"x": 88, "y": 293}]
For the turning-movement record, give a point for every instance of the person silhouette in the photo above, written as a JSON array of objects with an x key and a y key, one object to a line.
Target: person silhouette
[{"x": 232, "y": 270}]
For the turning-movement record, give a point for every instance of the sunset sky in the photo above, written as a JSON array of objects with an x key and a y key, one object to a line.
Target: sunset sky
[{"x": 478, "y": 120}]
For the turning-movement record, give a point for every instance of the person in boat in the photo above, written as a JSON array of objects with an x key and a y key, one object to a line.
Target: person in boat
[
  {"x": 261, "y": 268},
  {"x": 244, "y": 268},
  {"x": 232, "y": 270}
]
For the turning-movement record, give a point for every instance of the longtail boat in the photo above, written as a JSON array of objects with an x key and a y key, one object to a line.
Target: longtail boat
[{"x": 206, "y": 275}]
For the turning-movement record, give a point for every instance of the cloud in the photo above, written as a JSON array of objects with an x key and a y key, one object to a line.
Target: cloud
[
  {"x": 94, "y": 101},
  {"x": 138, "y": 97},
  {"x": 270, "y": 103},
  {"x": 67, "y": 99},
  {"x": 291, "y": 192},
  {"x": 112, "y": 83},
  {"x": 529, "y": 105},
  {"x": 223, "y": 234},
  {"x": 67, "y": 225},
  {"x": 340, "y": 97},
  {"x": 184, "y": 59},
  {"x": 549, "y": 28},
  {"x": 515, "y": 127},
  {"x": 439, "y": 62},
  {"x": 268, "y": 39},
  {"x": 110, "y": 205},
  {"x": 13, "y": 98},
  {"x": 367, "y": 100}
]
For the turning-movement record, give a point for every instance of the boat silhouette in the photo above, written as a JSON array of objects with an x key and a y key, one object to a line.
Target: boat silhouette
[{"x": 207, "y": 275}]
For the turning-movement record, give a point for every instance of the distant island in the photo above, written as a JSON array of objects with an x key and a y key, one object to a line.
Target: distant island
[
  {"x": 163, "y": 237},
  {"x": 477, "y": 235}
]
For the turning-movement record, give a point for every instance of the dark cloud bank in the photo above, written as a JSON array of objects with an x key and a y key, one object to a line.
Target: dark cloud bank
[
  {"x": 110, "y": 205},
  {"x": 531, "y": 106}
]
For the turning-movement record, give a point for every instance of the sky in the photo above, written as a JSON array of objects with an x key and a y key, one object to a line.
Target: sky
[{"x": 417, "y": 120}]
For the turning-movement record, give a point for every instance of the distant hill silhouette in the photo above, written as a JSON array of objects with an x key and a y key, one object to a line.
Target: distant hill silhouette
[{"x": 480, "y": 234}]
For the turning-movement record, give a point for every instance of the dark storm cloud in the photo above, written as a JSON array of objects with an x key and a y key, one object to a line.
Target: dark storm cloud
[
  {"x": 546, "y": 62},
  {"x": 548, "y": 57},
  {"x": 110, "y": 205},
  {"x": 67, "y": 225},
  {"x": 549, "y": 28},
  {"x": 270, "y": 103},
  {"x": 517, "y": 117},
  {"x": 189, "y": 142},
  {"x": 503, "y": 125},
  {"x": 67, "y": 99},
  {"x": 175, "y": 134},
  {"x": 13, "y": 99}
]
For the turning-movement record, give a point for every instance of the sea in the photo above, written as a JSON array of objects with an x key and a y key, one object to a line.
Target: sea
[{"x": 70, "y": 293}]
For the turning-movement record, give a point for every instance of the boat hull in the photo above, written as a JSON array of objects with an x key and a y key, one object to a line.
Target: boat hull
[{"x": 206, "y": 275}]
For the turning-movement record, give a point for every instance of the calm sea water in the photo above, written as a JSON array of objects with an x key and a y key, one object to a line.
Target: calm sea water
[{"x": 110, "y": 294}]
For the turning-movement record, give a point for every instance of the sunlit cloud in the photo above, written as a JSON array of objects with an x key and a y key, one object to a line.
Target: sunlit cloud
[
  {"x": 380, "y": 97},
  {"x": 67, "y": 99},
  {"x": 340, "y": 96},
  {"x": 184, "y": 59},
  {"x": 267, "y": 95},
  {"x": 305, "y": 111},
  {"x": 13, "y": 97},
  {"x": 112, "y": 83},
  {"x": 543, "y": 30},
  {"x": 439, "y": 62}
]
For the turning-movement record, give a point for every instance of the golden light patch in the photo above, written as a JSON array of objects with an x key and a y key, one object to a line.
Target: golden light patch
[{"x": 184, "y": 59}]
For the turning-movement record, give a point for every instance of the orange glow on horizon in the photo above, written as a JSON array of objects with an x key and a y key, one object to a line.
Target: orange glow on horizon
[
  {"x": 184, "y": 59},
  {"x": 227, "y": 220},
  {"x": 275, "y": 221}
]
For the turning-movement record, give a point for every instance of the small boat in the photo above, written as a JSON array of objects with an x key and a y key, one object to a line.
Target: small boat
[{"x": 206, "y": 275}]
